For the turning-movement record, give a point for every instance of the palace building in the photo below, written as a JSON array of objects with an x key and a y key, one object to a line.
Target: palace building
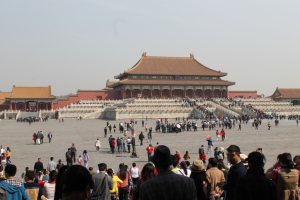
[
  {"x": 27, "y": 99},
  {"x": 168, "y": 77},
  {"x": 287, "y": 94}
]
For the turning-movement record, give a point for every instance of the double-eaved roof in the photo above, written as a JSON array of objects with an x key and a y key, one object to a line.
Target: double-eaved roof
[
  {"x": 156, "y": 65},
  {"x": 286, "y": 93}
]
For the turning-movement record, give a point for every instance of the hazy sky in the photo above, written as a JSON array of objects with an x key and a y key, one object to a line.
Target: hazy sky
[{"x": 73, "y": 45}]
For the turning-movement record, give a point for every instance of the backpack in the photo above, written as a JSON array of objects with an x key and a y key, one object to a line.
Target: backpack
[
  {"x": 220, "y": 156},
  {"x": 201, "y": 151},
  {"x": 3, "y": 195},
  {"x": 69, "y": 155}
]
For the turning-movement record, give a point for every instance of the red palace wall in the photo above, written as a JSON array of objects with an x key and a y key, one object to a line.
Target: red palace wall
[
  {"x": 245, "y": 94},
  {"x": 87, "y": 95}
]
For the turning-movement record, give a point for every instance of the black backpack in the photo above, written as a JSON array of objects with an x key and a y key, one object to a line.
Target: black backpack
[
  {"x": 201, "y": 151},
  {"x": 3, "y": 195}
]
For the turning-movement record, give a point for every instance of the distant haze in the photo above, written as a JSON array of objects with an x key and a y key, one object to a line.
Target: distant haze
[{"x": 71, "y": 44}]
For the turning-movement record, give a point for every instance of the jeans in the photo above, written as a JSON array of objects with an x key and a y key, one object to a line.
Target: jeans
[
  {"x": 141, "y": 143},
  {"x": 149, "y": 155},
  {"x": 69, "y": 162},
  {"x": 113, "y": 149},
  {"x": 124, "y": 148},
  {"x": 128, "y": 146},
  {"x": 73, "y": 155},
  {"x": 120, "y": 149},
  {"x": 209, "y": 149},
  {"x": 50, "y": 140}
]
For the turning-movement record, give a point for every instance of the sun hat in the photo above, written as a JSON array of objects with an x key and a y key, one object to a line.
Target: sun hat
[
  {"x": 198, "y": 166},
  {"x": 222, "y": 149},
  {"x": 162, "y": 156}
]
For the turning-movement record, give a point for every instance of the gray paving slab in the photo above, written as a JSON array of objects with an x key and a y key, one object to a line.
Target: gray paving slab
[{"x": 18, "y": 136}]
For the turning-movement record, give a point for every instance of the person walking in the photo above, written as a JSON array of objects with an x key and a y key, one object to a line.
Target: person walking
[
  {"x": 86, "y": 158},
  {"x": 240, "y": 127},
  {"x": 114, "y": 128},
  {"x": 209, "y": 145},
  {"x": 38, "y": 168},
  {"x": 269, "y": 126},
  {"x": 128, "y": 141},
  {"x": 49, "y": 136},
  {"x": 149, "y": 135},
  {"x": 73, "y": 152},
  {"x": 149, "y": 150},
  {"x": 113, "y": 145},
  {"x": 141, "y": 138},
  {"x": 105, "y": 131},
  {"x": 69, "y": 158},
  {"x": 97, "y": 144},
  {"x": 217, "y": 135},
  {"x": 8, "y": 153},
  {"x": 223, "y": 134}
]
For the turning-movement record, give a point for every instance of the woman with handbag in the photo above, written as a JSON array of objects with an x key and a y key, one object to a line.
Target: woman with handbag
[{"x": 124, "y": 188}]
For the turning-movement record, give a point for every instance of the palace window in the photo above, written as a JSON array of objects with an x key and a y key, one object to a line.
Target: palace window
[
  {"x": 196, "y": 77},
  {"x": 153, "y": 76},
  {"x": 134, "y": 76}
]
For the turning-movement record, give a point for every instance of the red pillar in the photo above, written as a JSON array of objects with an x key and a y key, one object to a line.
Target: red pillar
[
  {"x": 37, "y": 106},
  {"x": 184, "y": 93},
  {"x": 130, "y": 93},
  {"x": 51, "y": 105},
  {"x": 46, "y": 106},
  {"x": 25, "y": 106},
  {"x": 160, "y": 94},
  {"x": 141, "y": 93},
  {"x": 170, "y": 94},
  {"x": 221, "y": 95},
  {"x": 150, "y": 94},
  {"x": 10, "y": 106},
  {"x": 226, "y": 92}
]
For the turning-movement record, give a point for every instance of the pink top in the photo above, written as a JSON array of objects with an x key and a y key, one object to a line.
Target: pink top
[{"x": 125, "y": 181}]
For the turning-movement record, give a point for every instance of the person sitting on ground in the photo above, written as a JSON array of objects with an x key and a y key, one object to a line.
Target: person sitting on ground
[
  {"x": 73, "y": 183},
  {"x": 15, "y": 189},
  {"x": 33, "y": 190}
]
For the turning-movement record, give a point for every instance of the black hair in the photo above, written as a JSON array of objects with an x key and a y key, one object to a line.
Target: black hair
[
  {"x": 184, "y": 167},
  {"x": 213, "y": 162},
  {"x": 110, "y": 172},
  {"x": 221, "y": 165},
  {"x": 286, "y": 159},
  {"x": 256, "y": 159},
  {"x": 52, "y": 176},
  {"x": 134, "y": 164},
  {"x": 84, "y": 151},
  {"x": 51, "y": 158},
  {"x": 11, "y": 170},
  {"x": 30, "y": 174},
  {"x": 294, "y": 159},
  {"x": 123, "y": 172},
  {"x": 198, "y": 178},
  {"x": 175, "y": 161},
  {"x": 75, "y": 178},
  {"x": 187, "y": 163},
  {"x": 148, "y": 171},
  {"x": 102, "y": 167},
  {"x": 234, "y": 148}
]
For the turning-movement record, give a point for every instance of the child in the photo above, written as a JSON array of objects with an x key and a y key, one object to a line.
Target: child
[
  {"x": 79, "y": 160},
  {"x": 3, "y": 159}
]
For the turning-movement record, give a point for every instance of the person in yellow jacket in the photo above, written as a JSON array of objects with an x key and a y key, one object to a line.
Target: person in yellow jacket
[
  {"x": 8, "y": 151},
  {"x": 114, "y": 192}
]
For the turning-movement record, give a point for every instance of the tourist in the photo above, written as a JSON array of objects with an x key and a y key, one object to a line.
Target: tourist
[
  {"x": 132, "y": 132},
  {"x": 147, "y": 173},
  {"x": 38, "y": 168},
  {"x": 69, "y": 158},
  {"x": 97, "y": 144},
  {"x": 214, "y": 176},
  {"x": 39, "y": 138},
  {"x": 133, "y": 144},
  {"x": 135, "y": 173},
  {"x": 217, "y": 135},
  {"x": 174, "y": 164},
  {"x": 35, "y": 137},
  {"x": 184, "y": 171},
  {"x": 22, "y": 175},
  {"x": 128, "y": 141},
  {"x": 8, "y": 153},
  {"x": 51, "y": 165},
  {"x": 113, "y": 145},
  {"x": 79, "y": 160},
  {"x": 114, "y": 128},
  {"x": 285, "y": 177},
  {"x": 141, "y": 138},
  {"x": 222, "y": 167},
  {"x": 123, "y": 143},
  {"x": 109, "y": 127},
  {"x": 33, "y": 190},
  {"x": 49, "y": 136},
  {"x": 201, "y": 151},
  {"x": 3, "y": 159},
  {"x": 149, "y": 135},
  {"x": 209, "y": 145},
  {"x": 186, "y": 156},
  {"x": 149, "y": 150},
  {"x": 146, "y": 127},
  {"x": 223, "y": 134},
  {"x": 74, "y": 183},
  {"x": 115, "y": 180},
  {"x": 159, "y": 187},
  {"x": 269, "y": 126},
  {"x": 109, "y": 142},
  {"x": 124, "y": 188},
  {"x": 103, "y": 183},
  {"x": 59, "y": 165},
  {"x": 177, "y": 156},
  {"x": 254, "y": 185},
  {"x": 91, "y": 170},
  {"x": 236, "y": 171},
  {"x": 48, "y": 187},
  {"x": 105, "y": 131},
  {"x": 221, "y": 155},
  {"x": 204, "y": 189},
  {"x": 240, "y": 126},
  {"x": 216, "y": 153},
  {"x": 73, "y": 152},
  {"x": 86, "y": 158},
  {"x": 15, "y": 189},
  {"x": 297, "y": 162}
]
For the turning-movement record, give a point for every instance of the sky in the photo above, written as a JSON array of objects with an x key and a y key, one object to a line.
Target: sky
[{"x": 72, "y": 44}]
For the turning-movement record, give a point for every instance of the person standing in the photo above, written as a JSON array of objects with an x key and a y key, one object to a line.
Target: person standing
[
  {"x": 114, "y": 128},
  {"x": 133, "y": 144},
  {"x": 42, "y": 137},
  {"x": 223, "y": 134},
  {"x": 113, "y": 145},
  {"x": 97, "y": 144},
  {"x": 214, "y": 176},
  {"x": 135, "y": 173},
  {"x": 8, "y": 153},
  {"x": 109, "y": 127},
  {"x": 209, "y": 145},
  {"x": 240, "y": 127},
  {"x": 105, "y": 131},
  {"x": 86, "y": 158},
  {"x": 69, "y": 157},
  {"x": 236, "y": 171},
  {"x": 150, "y": 135},
  {"x": 38, "y": 168},
  {"x": 51, "y": 165},
  {"x": 49, "y": 136},
  {"x": 186, "y": 156},
  {"x": 177, "y": 155},
  {"x": 149, "y": 150},
  {"x": 102, "y": 184},
  {"x": 141, "y": 138},
  {"x": 254, "y": 185},
  {"x": 73, "y": 152},
  {"x": 269, "y": 126},
  {"x": 128, "y": 144},
  {"x": 217, "y": 135},
  {"x": 33, "y": 190}
]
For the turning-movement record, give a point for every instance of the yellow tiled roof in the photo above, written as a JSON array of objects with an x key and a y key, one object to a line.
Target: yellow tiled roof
[{"x": 31, "y": 93}]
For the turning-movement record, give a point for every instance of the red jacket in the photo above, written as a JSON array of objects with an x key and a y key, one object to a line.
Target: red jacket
[
  {"x": 223, "y": 132},
  {"x": 178, "y": 157}
]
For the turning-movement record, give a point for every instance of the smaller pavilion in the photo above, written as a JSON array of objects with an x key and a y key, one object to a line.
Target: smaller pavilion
[
  {"x": 287, "y": 94},
  {"x": 28, "y": 98}
]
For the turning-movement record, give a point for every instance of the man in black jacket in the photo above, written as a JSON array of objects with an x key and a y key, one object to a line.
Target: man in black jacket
[
  {"x": 38, "y": 168},
  {"x": 255, "y": 185},
  {"x": 236, "y": 171}
]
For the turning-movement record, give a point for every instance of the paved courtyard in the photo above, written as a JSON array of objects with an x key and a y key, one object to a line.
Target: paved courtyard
[{"x": 18, "y": 136}]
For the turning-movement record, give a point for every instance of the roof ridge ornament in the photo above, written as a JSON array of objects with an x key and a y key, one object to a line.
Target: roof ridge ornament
[
  {"x": 191, "y": 55},
  {"x": 144, "y": 54}
]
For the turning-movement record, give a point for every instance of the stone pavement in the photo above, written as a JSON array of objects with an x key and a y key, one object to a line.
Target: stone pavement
[{"x": 18, "y": 136}]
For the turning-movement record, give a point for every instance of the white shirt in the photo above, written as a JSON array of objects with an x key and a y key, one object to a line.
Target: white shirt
[
  {"x": 181, "y": 172},
  {"x": 2, "y": 151},
  {"x": 134, "y": 172}
]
